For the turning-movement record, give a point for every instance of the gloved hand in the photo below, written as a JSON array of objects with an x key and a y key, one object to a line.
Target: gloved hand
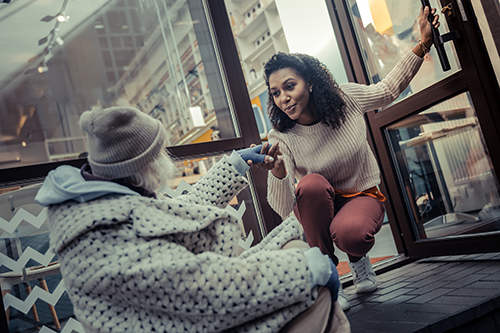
[
  {"x": 333, "y": 282},
  {"x": 253, "y": 154},
  {"x": 323, "y": 271}
]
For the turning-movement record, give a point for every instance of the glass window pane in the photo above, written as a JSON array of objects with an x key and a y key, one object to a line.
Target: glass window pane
[
  {"x": 487, "y": 18},
  {"x": 191, "y": 170},
  {"x": 444, "y": 170},
  {"x": 145, "y": 54},
  {"x": 262, "y": 28},
  {"x": 387, "y": 29}
]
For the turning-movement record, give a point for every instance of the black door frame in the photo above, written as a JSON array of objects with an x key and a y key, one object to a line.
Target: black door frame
[{"x": 477, "y": 77}]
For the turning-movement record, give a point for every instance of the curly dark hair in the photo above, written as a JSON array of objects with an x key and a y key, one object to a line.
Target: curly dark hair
[{"x": 326, "y": 96}]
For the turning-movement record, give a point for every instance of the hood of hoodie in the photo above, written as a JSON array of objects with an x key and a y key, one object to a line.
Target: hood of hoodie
[{"x": 67, "y": 183}]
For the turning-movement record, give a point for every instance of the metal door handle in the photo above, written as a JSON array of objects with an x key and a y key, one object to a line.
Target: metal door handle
[{"x": 448, "y": 10}]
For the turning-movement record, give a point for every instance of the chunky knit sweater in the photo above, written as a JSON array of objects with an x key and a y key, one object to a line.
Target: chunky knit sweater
[
  {"x": 138, "y": 264},
  {"x": 343, "y": 155}
]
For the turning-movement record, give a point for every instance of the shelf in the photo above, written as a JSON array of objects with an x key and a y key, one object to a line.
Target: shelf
[
  {"x": 198, "y": 100},
  {"x": 258, "y": 51},
  {"x": 252, "y": 26},
  {"x": 256, "y": 85}
]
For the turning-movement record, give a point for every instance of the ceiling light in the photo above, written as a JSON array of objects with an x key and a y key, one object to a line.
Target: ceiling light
[
  {"x": 43, "y": 68},
  {"x": 47, "y": 57},
  {"x": 62, "y": 18},
  {"x": 197, "y": 116}
]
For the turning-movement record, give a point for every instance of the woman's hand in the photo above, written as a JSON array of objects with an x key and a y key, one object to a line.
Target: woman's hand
[
  {"x": 271, "y": 151},
  {"x": 279, "y": 170},
  {"x": 274, "y": 163},
  {"x": 255, "y": 155},
  {"x": 425, "y": 26}
]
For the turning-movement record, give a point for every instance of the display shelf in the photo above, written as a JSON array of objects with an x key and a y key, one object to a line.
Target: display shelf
[
  {"x": 259, "y": 51},
  {"x": 256, "y": 87},
  {"x": 253, "y": 50},
  {"x": 248, "y": 29},
  {"x": 272, "y": 17}
]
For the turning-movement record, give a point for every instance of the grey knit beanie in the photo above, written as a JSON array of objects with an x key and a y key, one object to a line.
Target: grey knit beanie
[{"x": 121, "y": 140}]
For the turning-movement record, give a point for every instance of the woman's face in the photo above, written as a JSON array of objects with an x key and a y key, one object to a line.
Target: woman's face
[{"x": 291, "y": 94}]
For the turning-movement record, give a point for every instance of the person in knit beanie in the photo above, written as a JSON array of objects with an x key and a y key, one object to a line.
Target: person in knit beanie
[
  {"x": 126, "y": 144},
  {"x": 122, "y": 141},
  {"x": 133, "y": 260}
]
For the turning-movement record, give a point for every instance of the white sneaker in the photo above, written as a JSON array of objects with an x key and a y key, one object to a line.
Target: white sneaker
[
  {"x": 363, "y": 275},
  {"x": 342, "y": 299}
]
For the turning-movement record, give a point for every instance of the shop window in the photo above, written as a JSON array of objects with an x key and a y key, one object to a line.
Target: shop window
[
  {"x": 139, "y": 53},
  {"x": 264, "y": 27}
]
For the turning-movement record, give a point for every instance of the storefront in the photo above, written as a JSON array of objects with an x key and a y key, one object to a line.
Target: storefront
[{"x": 196, "y": 65}]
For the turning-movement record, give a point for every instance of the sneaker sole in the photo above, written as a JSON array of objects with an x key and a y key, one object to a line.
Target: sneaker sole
[
  {"x": 345, "y": 308},
  {"x": 364, "y": 291}
]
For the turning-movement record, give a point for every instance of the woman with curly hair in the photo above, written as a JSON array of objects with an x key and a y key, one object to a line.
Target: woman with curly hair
[{"x": 319, "y": 138}]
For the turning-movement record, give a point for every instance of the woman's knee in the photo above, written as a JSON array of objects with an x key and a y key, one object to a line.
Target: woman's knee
[
  {"x": 313, "y": 184},
  {"x": 351, "y": 238},
  {"x": 295, "y": 243}
]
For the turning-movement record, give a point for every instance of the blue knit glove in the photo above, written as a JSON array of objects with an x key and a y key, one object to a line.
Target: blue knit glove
[
  {"x": 252, "y": 154},
  {"x": 333, "y": 282}
]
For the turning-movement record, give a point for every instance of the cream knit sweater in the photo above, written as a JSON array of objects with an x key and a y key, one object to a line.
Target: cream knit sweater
[{"x": 343, "y": 156}]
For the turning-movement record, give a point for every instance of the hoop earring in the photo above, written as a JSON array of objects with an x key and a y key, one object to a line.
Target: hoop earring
[{"x": 310, "y": 89}]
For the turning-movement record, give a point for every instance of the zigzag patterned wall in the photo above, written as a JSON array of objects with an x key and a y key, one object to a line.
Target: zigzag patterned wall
[
  {"x": 29, "y": 253},
  {"x": 71, "y": 325},
  {"x": 21, "y": 216}
]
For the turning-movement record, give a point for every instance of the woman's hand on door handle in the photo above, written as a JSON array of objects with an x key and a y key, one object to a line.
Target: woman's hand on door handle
[
  {"x": 425, "y": 26},
  {"x": 426, "y": 37}
]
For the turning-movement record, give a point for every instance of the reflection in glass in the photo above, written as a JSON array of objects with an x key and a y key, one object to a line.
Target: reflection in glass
[
  {"x": 190, "y": 171},
  {"x": 386, "y": 30},
  {"x": 120, "y": 52},
  {"x": 444, "y": 170}
]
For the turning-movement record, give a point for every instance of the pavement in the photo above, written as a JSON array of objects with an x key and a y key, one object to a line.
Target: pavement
[{"x": 431, "y": 295}]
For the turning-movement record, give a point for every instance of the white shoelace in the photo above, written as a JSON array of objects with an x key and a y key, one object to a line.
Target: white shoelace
[{"x": 359, "y": 269}]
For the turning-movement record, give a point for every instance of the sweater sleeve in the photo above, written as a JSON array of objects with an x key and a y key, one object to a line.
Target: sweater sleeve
[
  {"x": 288, "y": 230},
  {"x": 281, "y": 192},
  {"x": 218, "y": 186},
  {"x": 383, "y": 93}
]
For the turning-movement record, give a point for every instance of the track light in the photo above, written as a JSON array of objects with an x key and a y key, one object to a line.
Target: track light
[
  {"x": 47, "y": 57},
  {"x": 43, "y": 68},
  {"x": 62, "y": 17}
]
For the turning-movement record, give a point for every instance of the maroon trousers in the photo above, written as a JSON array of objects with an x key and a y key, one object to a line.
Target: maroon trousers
[{"x": 350, "y": 223}]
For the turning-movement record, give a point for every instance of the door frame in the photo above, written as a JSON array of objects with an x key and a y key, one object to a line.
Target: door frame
[{"x": 476, "y": 76}]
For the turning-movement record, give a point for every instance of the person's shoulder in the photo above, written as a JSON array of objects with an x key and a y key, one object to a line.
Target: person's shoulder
[{"x": 274, "y": 135}]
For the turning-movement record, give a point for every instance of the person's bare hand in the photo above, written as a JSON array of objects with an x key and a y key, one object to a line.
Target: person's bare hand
[
  {"x": 272, "y": 152},
  {"x": 277, "y": 166},
  {"x": 425, "y": 26}
]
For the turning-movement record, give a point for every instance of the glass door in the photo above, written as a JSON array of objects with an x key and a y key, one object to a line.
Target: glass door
[{"x": 436, "y": 142}]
